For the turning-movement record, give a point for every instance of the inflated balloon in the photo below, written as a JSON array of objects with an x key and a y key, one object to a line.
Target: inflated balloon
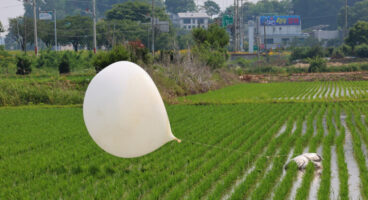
[{"x": 124, "y": 112}]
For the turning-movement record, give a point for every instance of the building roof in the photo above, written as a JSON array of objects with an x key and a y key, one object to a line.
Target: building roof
[{"x": 193, "y": 15}]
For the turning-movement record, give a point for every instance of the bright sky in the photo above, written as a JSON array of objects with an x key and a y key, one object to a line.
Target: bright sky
[{"x": 10, "y": 9}]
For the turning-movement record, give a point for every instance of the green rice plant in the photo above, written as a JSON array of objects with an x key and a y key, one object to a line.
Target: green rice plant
[{"x": 358, "y": 153}]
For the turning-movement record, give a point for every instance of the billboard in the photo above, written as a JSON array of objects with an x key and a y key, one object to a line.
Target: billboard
[
  {"x": 279, "y": 20},
  {"x": 45, "y": 15}
]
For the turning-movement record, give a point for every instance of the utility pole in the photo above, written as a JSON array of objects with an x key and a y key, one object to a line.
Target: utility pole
[
  {"x": 346, "y": 19},
  {"x": 153, "y": 27},
  {"x": 241, "y": 26},
  {"x": 94, "y": 27},
  {"x": 264, "y": 37},
  {"x": 56, "y": 46},
  {"x": 35, "y": 27},
  {"x": 235, "y": 24},
  {"x": 258, "y": 38},
  {"x": 25, "y": 34}
]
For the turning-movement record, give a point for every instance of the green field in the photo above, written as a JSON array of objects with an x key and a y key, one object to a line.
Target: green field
[{"x": 235, "y": 148}]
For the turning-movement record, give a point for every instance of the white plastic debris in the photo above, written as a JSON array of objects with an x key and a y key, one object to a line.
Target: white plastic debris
[
  {"x": 303, "y": 160},
  {"x": 124, "y": 112}
]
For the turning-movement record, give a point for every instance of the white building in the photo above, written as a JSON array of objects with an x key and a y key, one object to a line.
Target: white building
[
  {"x": 275, "y": 31},
  {"x": 189, "y": 21},
  {"x": 321, "y": 35}
]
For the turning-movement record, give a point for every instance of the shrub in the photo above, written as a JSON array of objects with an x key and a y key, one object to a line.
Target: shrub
[
  {"x": 337, "y": 53},
  {"x": 214, "y": 58},
  {"x": 362, "y": 50},
  {"x": 307, "y": 52},
  {"x": 103, "y": 59},
  {"x": 346, "y": 49},
  {"x": 298, "y": 53},
  {"x": 24, "y": 65},
  {"x": 317, "y": 64},
  {"x": 64, "y": 66},
  {"x": 316, "y": 51}
]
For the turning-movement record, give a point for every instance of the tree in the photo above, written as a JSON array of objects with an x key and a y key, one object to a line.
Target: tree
[
  {"x": 75, "y": 30},
  {"x": 358, "y": 12},
  {"x": 135, "y": 11},
  {"x": 47, "y": 32},
  {"x": 79, "y": 7},
  {"x": 210, "y": 45},
  {"x": 212, "y": 8},
  {"x": 130, "y": 21},
  {"x": 317, "y": 12},
  {"x": 21, "y": 30},
  {"x": 1, "y": 28},
  {"x": 214, "y": 36},
  {"x": 176, "y": 6},
  {"x": 358, "y": 34}
]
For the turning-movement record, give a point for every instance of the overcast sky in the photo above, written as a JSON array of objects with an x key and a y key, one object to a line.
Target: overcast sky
[{"x": 14, "y": 8}]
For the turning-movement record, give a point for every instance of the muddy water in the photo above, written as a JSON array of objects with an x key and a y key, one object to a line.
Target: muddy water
[
  {"x": 315, "y": 95},
  {"x": 316, "y": 180},
  {"x": 332, "y": 92},
  {"x": 282, "y": 130},
  {"x": 237, "y": 183},
  {"x": 353, "y": 169},
  {"x": 327, "y": 93},
  {"x": 314, "y": 127},
  {"x": 334, "y": 191},
  {"x": 296, "y": 185},
  {"x": 324, "y": 124},
  {"x": 283, "y": 172},
  {"x": 321, "y": 93},
  {"x": 298, "y": 181},
  {"x": 294, "y": 128},
  {"x": 304, "y": 128},
  {"x": 337, "y": 92}
]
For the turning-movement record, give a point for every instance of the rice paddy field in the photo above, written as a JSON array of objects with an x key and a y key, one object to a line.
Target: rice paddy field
[{"x": 235, "y": 144}]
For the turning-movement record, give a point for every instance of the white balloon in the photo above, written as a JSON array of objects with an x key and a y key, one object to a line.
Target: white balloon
[{"x": 124, "y": 112}]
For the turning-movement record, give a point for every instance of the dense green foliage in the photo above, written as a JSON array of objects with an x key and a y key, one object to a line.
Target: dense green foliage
[
  {"x": 358, "y": 34},
  {"x": 211, "y": 7},
  {"x": 307, "y": 52},
  {"x": 317, "y": 64},
  {"x": 24, "y": 65},
  {"x": 356, "y": 12},
  {"x": 64, "y": 66},
  {"x": 362, "y": 50},
  {"x": 175, "y": 6},
  {"x": 210, "y": 45}
]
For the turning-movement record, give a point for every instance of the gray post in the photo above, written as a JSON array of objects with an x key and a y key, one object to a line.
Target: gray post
[
  {"x": 56, "y": 46},
  {"x": 35, "y": 27},
  {"x": 153, "y": 28},
  {"x": 346, "y": 19},
  {"x": 94, "y": 27}
]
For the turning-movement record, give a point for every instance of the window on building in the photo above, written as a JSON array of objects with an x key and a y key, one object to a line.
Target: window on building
[
  {"x": 193, "y": 21},
  {"x": 285, "y": 40},
  {"x": 274, "y": 29},
  {"x": 186, "y": 21},
  {"x": 189, "y": 27},
  {"x": 185, "y": 27},
  {"x": 280, "y": 28},
  {"x": 269, "y": 41},
  {"x": 200, "y": 21}
]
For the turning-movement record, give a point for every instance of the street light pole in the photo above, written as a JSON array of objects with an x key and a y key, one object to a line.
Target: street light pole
[
  {"x": 35, "y": 27},
  {"x": 94, "y": 27},
  {"x": 153, "y": 27},
  {"x": 56, "y": 46}
]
